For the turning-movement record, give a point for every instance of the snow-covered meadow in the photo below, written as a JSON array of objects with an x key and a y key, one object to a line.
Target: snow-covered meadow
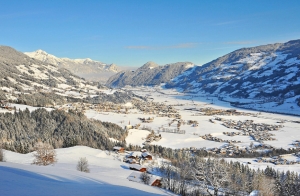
[
  {"x": 108, "y": 175},
  {"x": 183, "y": 103}
]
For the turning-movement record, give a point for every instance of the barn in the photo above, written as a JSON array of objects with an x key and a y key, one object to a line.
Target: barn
[
  {"x": 153, "y": 180},
  {"x": 137, "y": 167},
  {"x": 119, "y": 149},
  {"x": 147, "y": 155}
]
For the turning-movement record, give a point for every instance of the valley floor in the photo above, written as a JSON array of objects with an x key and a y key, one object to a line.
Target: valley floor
[{"x": 109, "y": 174}]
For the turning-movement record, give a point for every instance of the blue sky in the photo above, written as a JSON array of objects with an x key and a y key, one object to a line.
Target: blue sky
[{"x": 132, "y": 32}]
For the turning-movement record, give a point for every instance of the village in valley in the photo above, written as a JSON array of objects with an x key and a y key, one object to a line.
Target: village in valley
[{"x": 192, "y": 124}]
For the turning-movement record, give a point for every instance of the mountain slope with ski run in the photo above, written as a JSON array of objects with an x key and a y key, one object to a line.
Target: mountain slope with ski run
[{"x": 86, "y": 68}]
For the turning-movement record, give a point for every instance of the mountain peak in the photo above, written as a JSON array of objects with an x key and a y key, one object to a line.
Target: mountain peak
[
  {"x": 86, "y": 67},
  {"x": 149, "y": 65}
]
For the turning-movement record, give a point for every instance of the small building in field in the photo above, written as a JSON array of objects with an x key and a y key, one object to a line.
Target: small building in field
[
  {"x": 147, "y": 155},
  {"x": 127, "y": 127},
  {"x": 137, "y": 167},
  {"x": 119, "y": 149},
  {"x": 153, "y": 179}
]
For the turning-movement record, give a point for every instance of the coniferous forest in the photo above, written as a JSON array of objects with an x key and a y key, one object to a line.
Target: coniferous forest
[{"x": 23, "y": 129}]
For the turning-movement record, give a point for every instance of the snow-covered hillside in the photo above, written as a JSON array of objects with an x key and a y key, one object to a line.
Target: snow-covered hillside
[
  {"x": 86, "y": 68},
  {"x": 33, "y": 82},
  {"x": 261, "y": 74},
  {"x": 149, "y": 74},
  {"x": 108, "y": 175}
]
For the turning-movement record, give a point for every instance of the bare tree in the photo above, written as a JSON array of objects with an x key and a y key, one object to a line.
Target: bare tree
[
  {"x": 83, "y": 165},
  {"x": 2, "y": 158},
  {"x": 211, "y": 173},
  {"x": 44, "y": 155},
  {"x": 265, "y": 185},
  {"x": 145, "y": 178}
]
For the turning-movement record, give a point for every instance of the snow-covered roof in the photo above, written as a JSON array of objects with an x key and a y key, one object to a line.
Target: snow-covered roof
[
  {"x": 144, "y": 154},
  {"x": 136, "y": 166},
  {"x": 136, "y": 177},
  {"x": 134, "y": 154},
  {"x": 117, "y": 148}
]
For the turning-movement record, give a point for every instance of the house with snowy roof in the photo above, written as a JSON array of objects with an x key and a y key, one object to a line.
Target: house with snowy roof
[
  {"x": 137, "y": 167},
  {"x": 153, "y": 179},
  {"x": 147, "y": 155}
]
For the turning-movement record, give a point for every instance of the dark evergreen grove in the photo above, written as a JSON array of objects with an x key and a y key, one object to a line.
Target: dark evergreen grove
[{"x": 20, "y": 131}]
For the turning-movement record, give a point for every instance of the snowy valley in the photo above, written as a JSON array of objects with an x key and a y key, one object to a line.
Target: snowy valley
[{"x": 167, "y": 134}]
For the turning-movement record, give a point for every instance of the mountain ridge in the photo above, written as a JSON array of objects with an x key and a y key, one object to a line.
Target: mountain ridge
[
  {"x": 269, "y": 71},
  {"x": 86, "y": 68},
  {"x": 149, "y": 74}
]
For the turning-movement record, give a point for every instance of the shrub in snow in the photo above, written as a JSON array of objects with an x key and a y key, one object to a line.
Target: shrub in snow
[
  {"x": 44, "y": 155},
  {"x": 83, "y": 165},
  {"x": 145, "y": 178}
]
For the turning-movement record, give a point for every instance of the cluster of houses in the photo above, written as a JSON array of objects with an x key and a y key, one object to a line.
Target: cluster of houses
[
  {"x": 277, "y": 160},
  {"x": 159, "y": 109},
  {"x": 152, "y": 137},
  {"x": 216, "y": 139},
  {"x": 229, "y": 150},
  {"x": 258, "y": 131},
  {"x": 212, "y": 111},
  {"x": 174, "y": 130},
  {"x": 79, "y": 106},
  {"x": 135, "y": 160},
  {"x": 112, "y": 107}
]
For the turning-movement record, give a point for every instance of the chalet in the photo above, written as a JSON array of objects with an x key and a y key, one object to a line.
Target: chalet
[
  {"x": 134, "y": 155},
  {"x": 147, "y": 155},
  {"x": 153, "y": 181},
  {"x": 131, "y": 161},
  {"x": 118, "y": 149},
  {"x": 137, "y": 167}
]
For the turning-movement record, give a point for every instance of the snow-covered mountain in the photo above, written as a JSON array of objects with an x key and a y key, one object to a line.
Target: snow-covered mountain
[
  {"x": 39, "y": 83},
  {"x": 86, "y": 68},
  {"x": 268, "y": 71},
  {"x": 149, "y": 74}
]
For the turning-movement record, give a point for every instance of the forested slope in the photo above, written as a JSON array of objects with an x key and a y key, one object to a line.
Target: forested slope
[{"x": 22, "y": 130}]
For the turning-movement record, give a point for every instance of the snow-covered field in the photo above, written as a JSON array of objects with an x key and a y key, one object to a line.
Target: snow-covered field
[
  {"x": 108, "y": 175},
  {"x": 284, "y": 137}
]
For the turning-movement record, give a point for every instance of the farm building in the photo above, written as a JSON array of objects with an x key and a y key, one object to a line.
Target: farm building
[
  {"x": 153, "y": 181},
  {"x": 134, "y": 155},
  {"x": 137, "y": 167},
  {"x": 118, "y": 149},
  {"x": 147, "y": 155}
]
